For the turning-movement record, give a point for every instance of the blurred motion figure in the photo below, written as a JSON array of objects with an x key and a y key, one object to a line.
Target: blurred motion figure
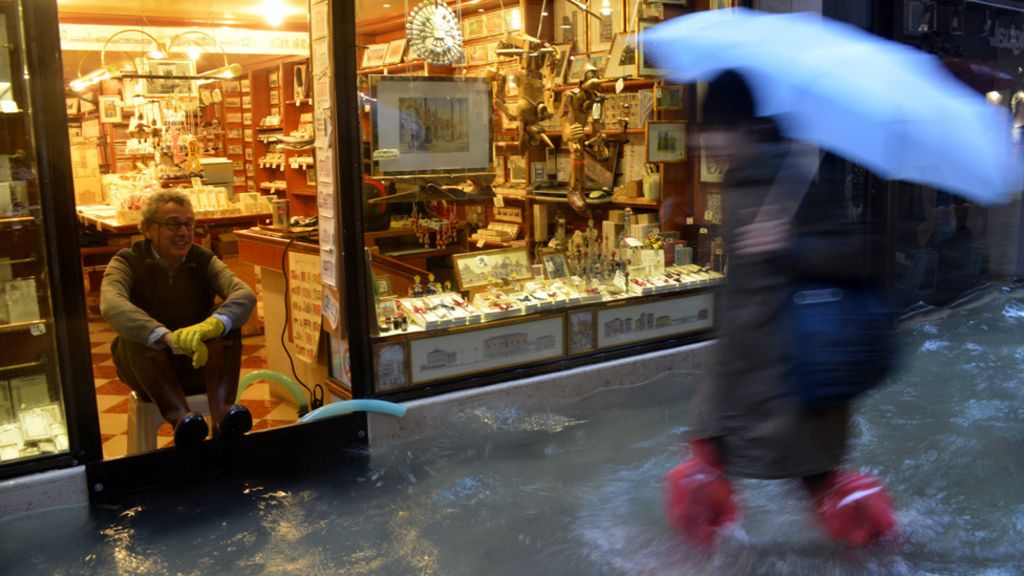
[{"x": 748, "y": 422}]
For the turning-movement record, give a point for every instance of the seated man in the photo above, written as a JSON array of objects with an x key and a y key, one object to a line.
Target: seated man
[{"x": 172, "y": 340}]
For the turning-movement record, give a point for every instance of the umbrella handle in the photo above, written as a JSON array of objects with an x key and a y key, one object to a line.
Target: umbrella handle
[{"x": 791, "y": 186}]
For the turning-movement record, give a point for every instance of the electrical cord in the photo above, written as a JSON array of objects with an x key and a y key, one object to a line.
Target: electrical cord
[{"x": 316, "y": 394}]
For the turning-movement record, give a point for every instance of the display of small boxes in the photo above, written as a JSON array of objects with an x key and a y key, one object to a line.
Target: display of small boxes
[
  {"x": 496, "y": 305},
  {"x": 425, "y": 313},
  {"x": 457, "y": 309}
]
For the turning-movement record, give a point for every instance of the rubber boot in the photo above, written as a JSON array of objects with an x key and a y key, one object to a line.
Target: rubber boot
[
  {"x": 853, "y": 507},
  {"x": 698, "y": 496},
  {"x": 223, "y": 368}
]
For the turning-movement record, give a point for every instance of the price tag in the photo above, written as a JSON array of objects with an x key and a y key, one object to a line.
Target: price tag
[
  {"x": 499, "y": 201},
  {"x": 620, "y": 84},
  {"x": 481, "y": 242},
  {"x": 197, "y": 182}
]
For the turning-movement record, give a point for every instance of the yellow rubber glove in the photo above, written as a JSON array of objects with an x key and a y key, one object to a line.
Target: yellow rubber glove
[
  {"x": 200, "y": 356},
  {"x": 191, "y": 337}
]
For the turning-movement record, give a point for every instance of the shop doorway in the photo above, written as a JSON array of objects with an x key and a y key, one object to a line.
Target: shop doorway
[{"x": 197, "y": 95}]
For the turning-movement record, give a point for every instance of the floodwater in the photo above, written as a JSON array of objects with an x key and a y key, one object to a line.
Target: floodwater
[{"x": 577, "y": 491}]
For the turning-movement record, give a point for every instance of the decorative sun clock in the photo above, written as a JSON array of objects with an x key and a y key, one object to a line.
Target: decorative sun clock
[{"x": 434, "y": 33}]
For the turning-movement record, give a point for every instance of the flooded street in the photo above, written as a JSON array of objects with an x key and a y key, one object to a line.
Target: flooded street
[{"x": 577, "y": 491}]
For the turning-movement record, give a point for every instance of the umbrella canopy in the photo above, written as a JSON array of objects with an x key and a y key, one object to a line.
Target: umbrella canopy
[{"x": 887, "y": 106}]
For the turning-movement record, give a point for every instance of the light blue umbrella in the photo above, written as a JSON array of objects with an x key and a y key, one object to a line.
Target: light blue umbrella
[{"x": 889, "y": 107}]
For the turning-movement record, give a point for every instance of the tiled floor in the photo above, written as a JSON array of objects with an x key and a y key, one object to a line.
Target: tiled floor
[{"x": 112, "y": 394}]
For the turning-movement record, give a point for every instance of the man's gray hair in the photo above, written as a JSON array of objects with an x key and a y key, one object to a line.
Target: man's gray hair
[{"x": 157, "y": 200}]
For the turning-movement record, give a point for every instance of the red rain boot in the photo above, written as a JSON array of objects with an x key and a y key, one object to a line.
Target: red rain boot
[
  {"x": 853, "y": 507},
  {"x": 698, "y": 496}
]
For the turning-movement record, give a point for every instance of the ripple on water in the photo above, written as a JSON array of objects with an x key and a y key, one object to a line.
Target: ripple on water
[{"x": 934, "y": 345}]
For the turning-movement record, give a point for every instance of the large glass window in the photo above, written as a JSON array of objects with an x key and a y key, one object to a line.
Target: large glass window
[
  {"x": 31, "y": 405},
  {"x": 529, "y": 189}
]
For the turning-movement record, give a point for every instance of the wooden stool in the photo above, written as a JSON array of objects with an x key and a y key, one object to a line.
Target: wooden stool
[{"x": 144, "y": 419}]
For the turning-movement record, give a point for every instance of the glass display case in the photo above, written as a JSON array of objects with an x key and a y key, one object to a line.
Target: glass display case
[{"x": 32, "y": 410}]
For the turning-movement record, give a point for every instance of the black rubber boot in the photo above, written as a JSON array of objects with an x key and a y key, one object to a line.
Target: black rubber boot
[
  {"x": 190, "y": 430},
  {"x": 236, "y": 421}
]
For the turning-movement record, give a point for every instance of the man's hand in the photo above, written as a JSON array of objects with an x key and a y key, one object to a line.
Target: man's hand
[{"x": 190, "y": 338}]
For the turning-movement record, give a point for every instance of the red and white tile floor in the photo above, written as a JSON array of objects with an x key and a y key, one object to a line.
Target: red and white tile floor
[{"x": 112, "y": 394}]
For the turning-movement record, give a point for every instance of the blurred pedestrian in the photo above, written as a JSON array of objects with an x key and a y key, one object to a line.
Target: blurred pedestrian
[{"x": 747, "y": 421}]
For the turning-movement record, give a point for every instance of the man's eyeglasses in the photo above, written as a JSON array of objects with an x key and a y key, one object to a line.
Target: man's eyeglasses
[{"x": 175, "y": 225}]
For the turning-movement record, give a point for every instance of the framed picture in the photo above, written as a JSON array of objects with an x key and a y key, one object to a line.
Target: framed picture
[
  {"x": 433, "y": 124},
  {"x": 516, "y": 169},
  {"x": 494, "y": 23},
  {"x": 555, "y": 266},
  {"x": 581, "y": 331},
  {"x": 492, "y": 51},
  {"x": 110, "y": 109},
  {"x": 273, "y": 80},
  {"x": 389, "y": 366},
  {"x": 247, "y": 118},
  {"x": 244, "y": 84},
  {"x": 232, "y": 102},
  {"x": 476, "y": 54},
  {"x": 71, "y": 104},
  {"x": 275, "y": 98},
  {"x": 478, "y": 269},
  {"x": 561, "y": 64},
  {"x": 599, "y": 61},
  {"x": 666, "y": 141},
  {"x": 620, "y": 325},
  {"x": 310, "y": 176},
  {"x": 248, "y": 153},
  {"x": 232, "y": 87},
  {"x": 472, "y": 351},
  {"x": 513, "y": 20},
  {"x": 247, "y": 101},
  {"x": 234, "y": 149},
  {"x": 644, "y": 66},
  {"x": 176, "y": 72},
  {"x": 712, "y": 168},
  {"x": 652, "y": 11},
  {"x": 395, "y": 52},
  {"x": 622, "y": 57},
  {"x": 474, "y": 28},
  {"x": 603, "y": 31},
  {"x": 576, "y": 64},
  {"x": 668, "y": 97},
  {"x": 233, "y": 118}
]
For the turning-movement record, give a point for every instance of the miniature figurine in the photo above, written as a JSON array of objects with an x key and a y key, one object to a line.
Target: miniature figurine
[
  {"x": 416, "y": 290},
  {"x": 582, "y": 106}
]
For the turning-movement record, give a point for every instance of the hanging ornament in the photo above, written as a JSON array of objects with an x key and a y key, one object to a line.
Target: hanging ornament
[{"x": 434, "y": 33}]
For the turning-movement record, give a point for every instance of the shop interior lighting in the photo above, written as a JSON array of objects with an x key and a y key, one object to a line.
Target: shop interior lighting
[
  {"x": 606, "y": 8},
  {"x": 184, "y": 42}
]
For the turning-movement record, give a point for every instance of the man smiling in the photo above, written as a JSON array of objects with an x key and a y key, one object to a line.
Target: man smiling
[{"x": 173, "y": 339}]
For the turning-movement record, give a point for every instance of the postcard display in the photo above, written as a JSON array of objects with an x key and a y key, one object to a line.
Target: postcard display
[
  {"x": 31, "y": 407},
  {"x": 538, "y": 235}
]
